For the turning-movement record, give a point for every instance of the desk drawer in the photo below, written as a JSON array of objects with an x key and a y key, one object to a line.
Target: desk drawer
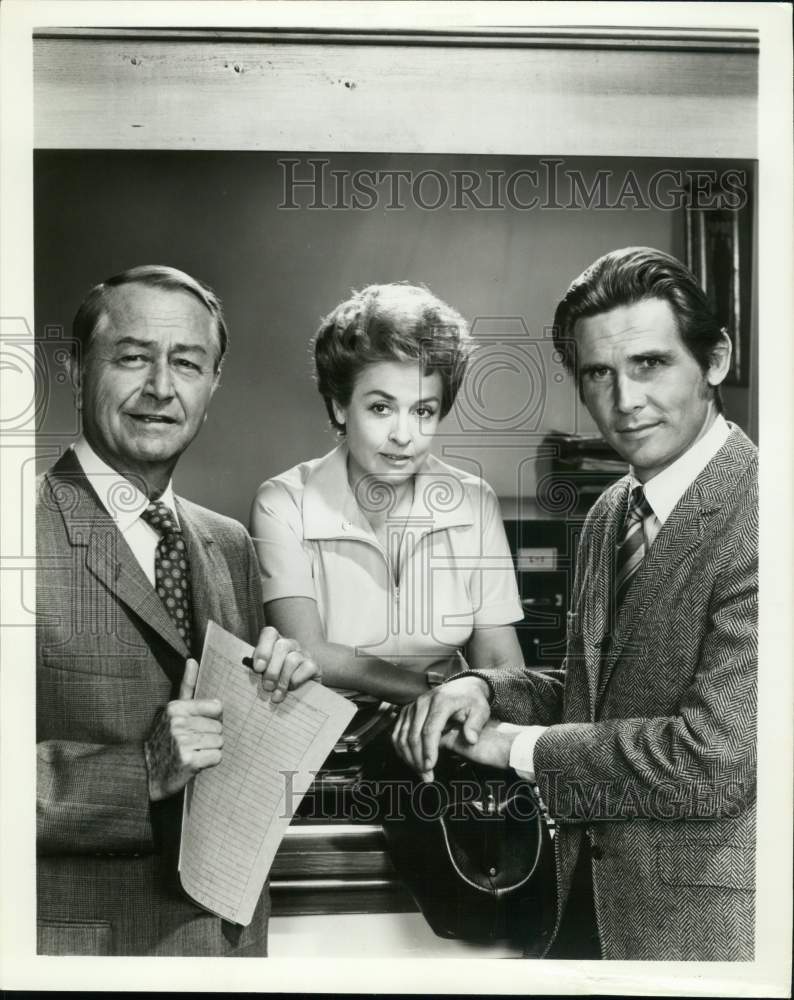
[{"x": 335, "y": 868}]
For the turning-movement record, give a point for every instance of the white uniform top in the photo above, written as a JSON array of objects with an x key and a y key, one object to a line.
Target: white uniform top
[{"x": 455, "y": 568}]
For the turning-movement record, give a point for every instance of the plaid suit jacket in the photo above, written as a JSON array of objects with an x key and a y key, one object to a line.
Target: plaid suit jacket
[
  {"x": 651, "y": 750},
  {"x": 108, "y": 658}
]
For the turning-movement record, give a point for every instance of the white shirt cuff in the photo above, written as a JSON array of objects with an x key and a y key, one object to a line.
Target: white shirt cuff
[{"x": 522, "y": 752}]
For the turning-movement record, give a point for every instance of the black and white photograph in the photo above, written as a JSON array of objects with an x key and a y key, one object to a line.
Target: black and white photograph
[{"x": 383, "y": 390}]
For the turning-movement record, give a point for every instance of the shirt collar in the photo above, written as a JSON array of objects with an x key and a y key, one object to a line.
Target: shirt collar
[
  {"x": 120, "y": 497},
  {"x": 330, "y": 509},
  {"x": 667, "y": 487}
]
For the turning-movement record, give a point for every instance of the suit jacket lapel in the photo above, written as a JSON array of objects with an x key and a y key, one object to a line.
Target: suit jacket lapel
[
  {"x": 597, "y": 602},
  {"x": 110, "y": 559},
  {"x": 681, "y": 533},
  {"x": 108, "y": 556},
  {"x": 206, "y": 570}
]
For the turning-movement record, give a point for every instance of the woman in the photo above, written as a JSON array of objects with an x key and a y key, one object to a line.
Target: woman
[{"x": 380, "y": 560}]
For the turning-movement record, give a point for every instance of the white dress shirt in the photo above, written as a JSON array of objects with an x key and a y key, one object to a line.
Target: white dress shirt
[
  {"x": 667, "y": 487},
  {"x": 125, "y": 503},
  {"x": 662, "y": 492}
]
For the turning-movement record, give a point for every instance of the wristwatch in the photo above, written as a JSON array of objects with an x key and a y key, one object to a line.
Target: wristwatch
[{"x": 434, "y": 678}]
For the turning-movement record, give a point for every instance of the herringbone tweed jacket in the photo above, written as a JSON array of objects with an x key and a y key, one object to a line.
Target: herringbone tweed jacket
[
  {"x": 108, "y": 658},
  {"x": 651, "y": 750}
]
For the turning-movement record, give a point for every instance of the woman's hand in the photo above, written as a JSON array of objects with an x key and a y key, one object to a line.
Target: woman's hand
[
  {"x": 282, "y": 663},
  {"x": 342, "y": 666}
]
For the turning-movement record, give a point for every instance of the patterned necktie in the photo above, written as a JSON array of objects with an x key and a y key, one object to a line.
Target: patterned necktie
[
  {"x": 632, "y": 547},
  {"x": 171, "y": 569}
]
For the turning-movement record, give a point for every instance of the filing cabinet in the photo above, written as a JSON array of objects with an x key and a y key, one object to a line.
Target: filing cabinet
[{"x": 544, "y": 555}]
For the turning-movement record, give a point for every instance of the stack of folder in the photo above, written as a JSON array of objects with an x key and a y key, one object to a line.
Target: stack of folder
[{"x": 574, "y": 469}]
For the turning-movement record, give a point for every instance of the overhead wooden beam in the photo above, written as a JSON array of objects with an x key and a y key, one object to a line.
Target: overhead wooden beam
[
  {"x": 606, "y": 92},
  {"x": 704, "y": 39}
]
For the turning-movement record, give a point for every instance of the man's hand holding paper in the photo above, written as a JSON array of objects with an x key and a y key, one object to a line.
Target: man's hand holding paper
[
  {"x": 188, "y": 733},
  {"x": 237, "y": 812},
  {"x": 186, "y": 737}
]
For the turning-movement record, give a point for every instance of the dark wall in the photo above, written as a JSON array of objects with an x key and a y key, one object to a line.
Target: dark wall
[{"x": 217, "y": 216}]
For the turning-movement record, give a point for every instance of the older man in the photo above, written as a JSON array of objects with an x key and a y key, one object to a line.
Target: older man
[
  {"x": 644, "y": 751},
  {"x": 129, "y": 574}
]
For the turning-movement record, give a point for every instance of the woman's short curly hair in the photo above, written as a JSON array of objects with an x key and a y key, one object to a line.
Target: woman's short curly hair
[{"x": 393, "y": 322}]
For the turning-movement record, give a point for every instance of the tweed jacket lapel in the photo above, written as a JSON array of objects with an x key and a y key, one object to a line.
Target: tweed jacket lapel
[
  {"x": 596, "y": 589},
  {"x": 108, "y": 557},
  {"x": 682, "y": 531},
  {"x": 205, "y": 572}
]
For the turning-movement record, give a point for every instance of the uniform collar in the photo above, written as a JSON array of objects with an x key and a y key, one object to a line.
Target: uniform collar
[
  {"x": 665, "y": 489},
  {"x": 120, "y": 497},
  {"x": 330, "y": 510}
]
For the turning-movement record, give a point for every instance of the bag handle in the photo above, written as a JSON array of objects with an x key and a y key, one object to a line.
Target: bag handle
[{"x": 474, "y": 885}]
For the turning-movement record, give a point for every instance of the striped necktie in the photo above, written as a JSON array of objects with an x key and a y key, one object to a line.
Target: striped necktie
[
  {"x": 632, "y": 546},
  {"x": 171, "y": 568}
]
